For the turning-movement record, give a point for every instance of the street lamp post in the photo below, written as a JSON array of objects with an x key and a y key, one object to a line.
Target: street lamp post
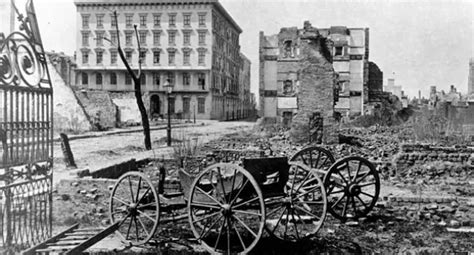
[{"x": 169, "y": 90}]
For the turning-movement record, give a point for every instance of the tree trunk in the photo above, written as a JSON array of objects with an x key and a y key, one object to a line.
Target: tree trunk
[{"x": 144, "y": 115}]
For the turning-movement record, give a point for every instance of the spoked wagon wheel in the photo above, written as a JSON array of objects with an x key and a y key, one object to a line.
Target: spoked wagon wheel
[
  {"x": 301, "y": 213},
  {"x": 352, "y": 186},
  {"x": 226, "y": 209},
  {"x": 314, "y": 157},
  {"x": 135, "y": 203}
]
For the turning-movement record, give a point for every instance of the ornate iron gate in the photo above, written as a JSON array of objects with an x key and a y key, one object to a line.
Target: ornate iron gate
[{"x": 26, "y": 136}]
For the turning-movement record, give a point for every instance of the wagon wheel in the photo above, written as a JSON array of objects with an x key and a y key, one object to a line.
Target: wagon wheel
[
  {"x": 301, "y": 213},
  {"x": 226, "y": 209},
  {"x": 314, "y": 157},
  {"x": 352, "y": 186},
  {"x": 135, "y": 203}
]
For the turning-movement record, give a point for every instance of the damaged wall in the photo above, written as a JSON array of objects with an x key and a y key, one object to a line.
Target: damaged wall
[
  {"x": 298, "y": 82},
  {"x": 68, "y": 113},
  {"x": 99, "y": 107},
  {"x": 315, "y": 96}
]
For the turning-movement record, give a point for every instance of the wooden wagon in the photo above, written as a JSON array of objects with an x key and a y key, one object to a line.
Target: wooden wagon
[{"x": 229, "y": 205}]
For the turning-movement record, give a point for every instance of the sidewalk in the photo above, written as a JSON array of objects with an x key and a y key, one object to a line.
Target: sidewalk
[{"x": 134, "y": 129}]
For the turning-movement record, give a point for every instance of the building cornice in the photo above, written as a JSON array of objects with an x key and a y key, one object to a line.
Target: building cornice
[{"x": 214, "y": 3}]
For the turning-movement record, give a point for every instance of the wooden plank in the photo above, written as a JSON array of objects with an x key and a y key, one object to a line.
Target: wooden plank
[
  {"x": 93, "y": 240},
  {"x": 53, "y": 239}
]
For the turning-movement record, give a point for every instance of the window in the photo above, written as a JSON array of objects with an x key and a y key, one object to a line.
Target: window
[
  {"x": 113, "y": 37},
  {"x": 113, "y": 22},
  {"x": 143, "y": 37},
  {"x": 113, "y": 79},
  {"x": 143, "y": 56},
  {"x": 128, "y": 38},
  {"x": 171, "y": 58},
  {"x": 171, "y": 104},
  {"x": 202, "y": 38},
  {"x": 338, "y": 51},
  {"x": 171, "y": 37},
  {"x": 99, "y": 56},
  {"x": 202, "y": 80},
  {"x": 186, "y": 104},
  {"x": 170, "y": 78},
  {"x": 142, "y": 20},
  {"x": 84, "y": 78},
  {"x": 85, "y": 39},
  {"x": 85, "y": 57},
  {"x": 187, "y": 19},
  {"x": 98, "y": 79},
  {"x": 128, "y": 56},
  {"x": 128, "y": 79},
  {"x": 186, "y": 79},
  {"x": 201, "y": 105},
  {"x": 287, "y": 87},
  {"x": 129, "y": 20},
  {"x": 156, "y": 57},
  {"x": 201, "y": 57},
  {"x": 202, "y": 19},
  {"x": 156, "y": 20},
  {"x": 156, "y": 37},
  {"x": 100, "y": 39},
  {"x": 186, "y": 58},
  {"x": 187, "y": 37},
  {"x": 100, "y": 20},
  {"x": 288, "y": 49},
  {"x": 172, "y": 20},
  {"x": 156, "y": 79},
  {"x": 113, "y": 57},
  {"x": 143, "y": 79},
  {"x": 85, "y": 21}
]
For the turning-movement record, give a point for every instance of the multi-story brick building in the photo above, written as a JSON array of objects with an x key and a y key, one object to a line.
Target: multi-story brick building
[{"x": 192, "y": 44}]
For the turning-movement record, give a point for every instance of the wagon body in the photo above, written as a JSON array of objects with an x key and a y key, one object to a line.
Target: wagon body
[{"x": 229, "y": 204}]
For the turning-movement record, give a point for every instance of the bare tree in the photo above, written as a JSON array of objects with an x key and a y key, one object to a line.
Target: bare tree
[{"x": 136, "y": 77}]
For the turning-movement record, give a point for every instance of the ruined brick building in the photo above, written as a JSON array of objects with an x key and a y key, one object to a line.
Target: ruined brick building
[
  {"x": 351, "y": 62},
  {"x": 297, "y": 81}
]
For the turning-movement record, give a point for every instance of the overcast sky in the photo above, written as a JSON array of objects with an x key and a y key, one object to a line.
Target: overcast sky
[{"x": 420, "y": 43}]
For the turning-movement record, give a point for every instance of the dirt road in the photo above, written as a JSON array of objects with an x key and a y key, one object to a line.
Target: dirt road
[{"x": 96, "y": 152}]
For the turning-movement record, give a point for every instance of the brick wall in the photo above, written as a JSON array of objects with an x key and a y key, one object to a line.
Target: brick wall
[
  {"x": 316, "y": 89},
  {"x": 99, "y": 107},
  {"x": 412, "y": 154}
]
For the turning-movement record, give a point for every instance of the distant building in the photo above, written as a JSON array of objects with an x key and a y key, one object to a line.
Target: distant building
[
  {"x": 245, "y": 108},
  {"x": 192, "y": 44},
  {"x": 394, "y": 89},
  {"x": 351, "y": 62},
  {"x": 470, "y": 82}
]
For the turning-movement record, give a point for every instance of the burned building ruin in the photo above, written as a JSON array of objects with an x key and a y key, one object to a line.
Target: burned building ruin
[{"x": 298, "y": 84}]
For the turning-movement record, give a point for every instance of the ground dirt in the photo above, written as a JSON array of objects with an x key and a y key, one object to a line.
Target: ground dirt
[{"x": 395, "y": 225}]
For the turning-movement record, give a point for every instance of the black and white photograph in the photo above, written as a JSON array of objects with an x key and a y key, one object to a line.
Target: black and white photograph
[{"x": 236, "y": 127}]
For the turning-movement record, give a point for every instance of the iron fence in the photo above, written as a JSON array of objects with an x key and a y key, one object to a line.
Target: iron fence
[{"x": 26, "y": 110}]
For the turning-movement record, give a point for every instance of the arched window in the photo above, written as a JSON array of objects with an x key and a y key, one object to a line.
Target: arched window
[
  {"x": 113, "y": 79},
  {"x": 98, "y": 78},
  {"x": 84, "y": 78}
]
